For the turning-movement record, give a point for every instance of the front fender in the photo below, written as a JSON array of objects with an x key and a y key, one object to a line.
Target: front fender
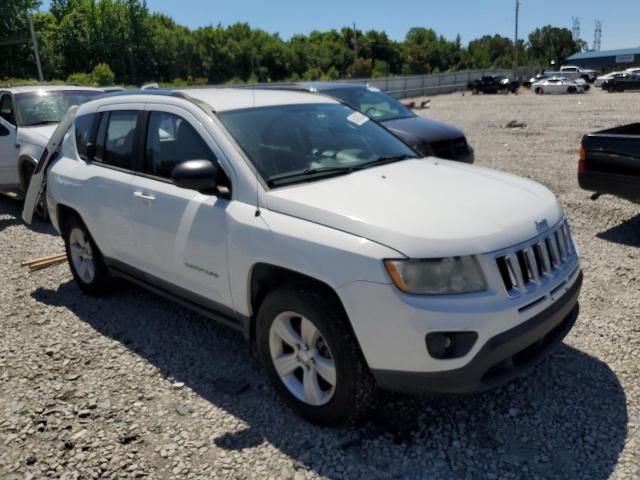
[{"x": 330, "y": 256}]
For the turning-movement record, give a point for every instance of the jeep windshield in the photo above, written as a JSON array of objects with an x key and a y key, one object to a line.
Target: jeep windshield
[
  {"x": 48, "y": 106},
  {"x": 370, "y": 101},
  {"x": 300, "y": 143}
]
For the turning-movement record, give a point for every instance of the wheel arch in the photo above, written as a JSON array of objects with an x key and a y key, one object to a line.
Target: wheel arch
[
  {"x": 24, "y": 161},
  {"x": 265, "y": 278}
]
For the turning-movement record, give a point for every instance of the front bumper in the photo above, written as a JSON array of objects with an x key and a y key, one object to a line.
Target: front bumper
[{"x": 502, "y": 358}]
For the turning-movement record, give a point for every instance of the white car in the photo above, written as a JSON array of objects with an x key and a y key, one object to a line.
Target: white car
[
  {"x": 635, "y": 70},
  {"x": 573, "y": 72},
  {"x": 28, "y": 117},
  {"x": 350, "y": 261},
  {"x": 556, "y": 85}
]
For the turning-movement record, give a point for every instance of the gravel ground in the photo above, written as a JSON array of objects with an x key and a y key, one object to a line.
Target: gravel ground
[{"x": 132, "y": 386}]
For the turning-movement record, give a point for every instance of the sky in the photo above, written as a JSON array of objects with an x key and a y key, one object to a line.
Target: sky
[{"x": 469, "y": 18}]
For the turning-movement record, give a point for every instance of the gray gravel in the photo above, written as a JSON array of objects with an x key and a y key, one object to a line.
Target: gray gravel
[{"x": 132, "y": 386}]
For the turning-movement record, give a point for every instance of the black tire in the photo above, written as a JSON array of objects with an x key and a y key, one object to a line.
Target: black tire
[
  {"x": 100, "y": 282},
  {"x": 41, "y": 211},
  {"x": 539, "y": 91},
  {"x": 354, "y": 386},
  {"x": 572, "y": 90}
]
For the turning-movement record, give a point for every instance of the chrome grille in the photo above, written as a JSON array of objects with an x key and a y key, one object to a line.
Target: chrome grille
[{"x": 526, "y": 269}]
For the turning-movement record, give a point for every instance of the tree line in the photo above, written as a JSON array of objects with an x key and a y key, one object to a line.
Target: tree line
[{"x": 76, "y": 37}]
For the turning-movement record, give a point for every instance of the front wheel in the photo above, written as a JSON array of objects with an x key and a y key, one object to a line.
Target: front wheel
[
  {"x": 85, "y": 260},
  {"x": 572, "y": 90},
  {"x": 312, "y": 358}
]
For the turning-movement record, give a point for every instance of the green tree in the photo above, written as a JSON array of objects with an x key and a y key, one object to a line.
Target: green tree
[
  {"x": 16, "y": 58},
  {"x": 360, "y": 68},
  {"x": 103, "y": 75},
  {"x": 551, "y": 43}
]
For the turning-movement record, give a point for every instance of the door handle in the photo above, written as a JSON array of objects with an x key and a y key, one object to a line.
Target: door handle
[{"x": 144, "y": 196}]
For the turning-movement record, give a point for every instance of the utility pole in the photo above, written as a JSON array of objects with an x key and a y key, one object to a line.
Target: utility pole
[
  {"x": 355, "y": 41},
  {"x": 34, "y": 40},
  {"x": 515, "y": 42},
  {"x": 597, "y": 36},
  {"x": 575, "y": 31}
]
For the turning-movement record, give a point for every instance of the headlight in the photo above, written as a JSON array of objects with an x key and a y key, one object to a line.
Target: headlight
[{"x": 439, "y": 276}]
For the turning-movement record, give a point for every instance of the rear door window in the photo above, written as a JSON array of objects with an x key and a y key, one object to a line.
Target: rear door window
[{"x": 117, "y": 139}]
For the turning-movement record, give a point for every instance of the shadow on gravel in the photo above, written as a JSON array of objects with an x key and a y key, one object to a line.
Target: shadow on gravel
[
  {"x": 566, "y": 420},
  {"x": 12, "y": 208},
  {"x": 626, "y": 233}
]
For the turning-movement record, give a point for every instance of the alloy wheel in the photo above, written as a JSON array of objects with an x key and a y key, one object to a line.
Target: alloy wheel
[
  {"x": 302, "y": 358},
  {"x": 82, "y": 255}
]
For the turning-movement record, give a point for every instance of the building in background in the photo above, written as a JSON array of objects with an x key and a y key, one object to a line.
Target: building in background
[{"x": 606, "y": 60}]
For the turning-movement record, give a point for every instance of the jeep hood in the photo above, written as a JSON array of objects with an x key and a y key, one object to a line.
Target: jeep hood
[
  {"x": 422, "y": 129},
  {"x": 424, "y": 207}
]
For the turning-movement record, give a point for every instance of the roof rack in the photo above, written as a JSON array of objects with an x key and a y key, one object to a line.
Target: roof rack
[{"x": 40, "y": 84}]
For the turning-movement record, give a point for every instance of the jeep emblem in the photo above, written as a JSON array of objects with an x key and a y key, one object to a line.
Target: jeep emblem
[{"x": 542, "y": 226}]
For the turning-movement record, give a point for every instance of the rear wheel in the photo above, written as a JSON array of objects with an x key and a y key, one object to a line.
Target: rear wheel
[
  {"x": 572, "y": 90},
  {"x": 312, "y": 358},
  {"x": 85, "y": 260},
  {"x": 539, "y": 91}
]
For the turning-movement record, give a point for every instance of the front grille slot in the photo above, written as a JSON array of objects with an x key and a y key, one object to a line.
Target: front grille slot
[{"x": 526, "y": 269}]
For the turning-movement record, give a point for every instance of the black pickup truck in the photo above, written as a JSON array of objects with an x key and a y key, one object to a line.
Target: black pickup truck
[
  {"x": 493, "y": 84},
  {"x": 610, "y": 162}
]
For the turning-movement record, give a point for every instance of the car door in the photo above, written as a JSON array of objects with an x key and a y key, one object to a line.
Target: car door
[
  {"x": 182, "y": 234},
  {"x": 8, "y": 149},
  {"x": 35, "y": 188},
  {"x": 107, "y": 175},
  {"x": 553, "y": 86}
]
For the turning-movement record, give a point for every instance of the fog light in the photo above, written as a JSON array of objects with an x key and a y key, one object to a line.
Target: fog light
[{"x": 446, "y": 345}]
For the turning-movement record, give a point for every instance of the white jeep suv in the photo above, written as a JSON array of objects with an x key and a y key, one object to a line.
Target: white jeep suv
[
  {"x": 350, "y": 261},
  {"x": 28, "y": 117}
]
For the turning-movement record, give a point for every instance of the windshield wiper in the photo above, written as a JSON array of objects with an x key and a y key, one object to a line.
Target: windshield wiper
[
  {"x": 385, "y": 159},
  {"x": 339, "y": 170},
  {"x": 310, "y": 172}
]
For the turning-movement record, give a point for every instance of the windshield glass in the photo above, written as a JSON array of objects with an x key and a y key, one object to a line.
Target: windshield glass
[
  {"x": 372, "y": 102},
  {"x": 297, "y": 143},
  {"x": 48, "y": 106}
]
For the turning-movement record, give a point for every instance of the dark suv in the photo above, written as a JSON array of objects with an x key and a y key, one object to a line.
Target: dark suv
[{"x": 428, "y": 137}]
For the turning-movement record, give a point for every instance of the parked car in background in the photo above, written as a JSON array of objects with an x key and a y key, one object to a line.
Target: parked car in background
[
  {"x": 350, "y": 260},
  {"x": 610, "y": 162},
  {"x": 572, "y": 72},
  {"x": 28, "y": 117},
  {"x": 602, "y": 78},
  {"x": 633, "y": 70},
  {"x": 427, "y": 136},
  {"x": 493, "y": 84},
  {"x": 556, "y": 85},
  {"x": 622, "y": 83},
  {"x": 557, "y": 75}
]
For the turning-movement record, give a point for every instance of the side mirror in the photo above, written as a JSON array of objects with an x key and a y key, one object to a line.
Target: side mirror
[{"x": 198, "y": 175}]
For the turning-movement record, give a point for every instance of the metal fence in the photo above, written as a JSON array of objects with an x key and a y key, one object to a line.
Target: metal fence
[{"x": 429, "y": 85}]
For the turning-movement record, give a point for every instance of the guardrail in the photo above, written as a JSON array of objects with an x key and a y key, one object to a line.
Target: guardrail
[{"x": 428, "y": 85}]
